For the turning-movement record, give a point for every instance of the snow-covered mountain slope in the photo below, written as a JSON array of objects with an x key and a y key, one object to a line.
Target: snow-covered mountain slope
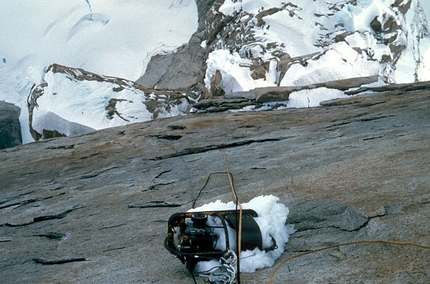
[
  {"x": 236, "y": 46},
  {"x": 114, "y": 38},
  {"x": 274, "y": 43},
  {"x": 71, "y": 101},
  {"x": 102, "y": 36}
]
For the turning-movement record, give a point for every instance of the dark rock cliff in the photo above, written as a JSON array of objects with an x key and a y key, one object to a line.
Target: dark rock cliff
[
  {"x": 94, "y": 208},
  {"x": 10, "y": 128}
]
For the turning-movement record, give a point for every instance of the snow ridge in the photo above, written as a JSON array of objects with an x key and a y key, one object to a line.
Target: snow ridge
[{"x": 93, "y": 102}]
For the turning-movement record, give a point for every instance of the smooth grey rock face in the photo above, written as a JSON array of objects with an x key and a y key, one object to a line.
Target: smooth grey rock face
[
  {"x": 10, "y": 128},
  {"x": 94, "y": 208},
  {"x": 309, "y": 214},
  {"x": 185, "y": 68}
]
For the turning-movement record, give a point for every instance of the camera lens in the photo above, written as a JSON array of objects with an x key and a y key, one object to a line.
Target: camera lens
[{"x": 199, "y": 220}]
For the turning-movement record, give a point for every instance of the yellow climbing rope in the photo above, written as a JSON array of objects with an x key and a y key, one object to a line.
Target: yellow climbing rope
[
  {"x": 239, "y": 231},
  {"x": 304, "y": 253}
]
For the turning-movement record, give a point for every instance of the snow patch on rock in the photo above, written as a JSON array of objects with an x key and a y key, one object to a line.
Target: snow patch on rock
[{"x": 272, "y": 217}]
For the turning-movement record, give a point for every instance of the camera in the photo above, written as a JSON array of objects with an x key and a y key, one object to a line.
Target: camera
[{"x": 197, "y": 237}]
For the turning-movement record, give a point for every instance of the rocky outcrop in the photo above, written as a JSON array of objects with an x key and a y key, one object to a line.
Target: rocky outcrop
[
  {"x": 258, "y": 96},
  {"x": 242, "y": 57},
  {"x": 184, "y": 69},
  {"x": 10, "y": 128},
  {"x": 332, "y": 42},
  {"x": 94, "y": 208}
]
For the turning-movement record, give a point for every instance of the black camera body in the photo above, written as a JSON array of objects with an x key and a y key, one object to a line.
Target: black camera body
[
  {"x": 197, "y": 241},
  {"x": 197, "y": 237}
]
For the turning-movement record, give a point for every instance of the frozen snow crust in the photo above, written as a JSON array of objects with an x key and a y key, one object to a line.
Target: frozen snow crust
[{"x": 272, "y": 217}]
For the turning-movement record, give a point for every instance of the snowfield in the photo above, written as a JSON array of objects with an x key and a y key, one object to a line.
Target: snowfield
[{"x": 108, "y": 37}]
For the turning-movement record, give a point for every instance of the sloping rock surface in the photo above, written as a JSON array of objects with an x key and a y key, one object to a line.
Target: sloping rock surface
[
  {"x": 10, "y": 128},
  {"x": 94, "y": 208}
]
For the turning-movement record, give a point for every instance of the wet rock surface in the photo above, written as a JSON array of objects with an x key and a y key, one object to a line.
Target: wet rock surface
[{"x": 94, "y": 208}]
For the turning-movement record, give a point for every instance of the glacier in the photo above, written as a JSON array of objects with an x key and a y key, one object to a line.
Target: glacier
[{"x": 105, "y": 37}]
